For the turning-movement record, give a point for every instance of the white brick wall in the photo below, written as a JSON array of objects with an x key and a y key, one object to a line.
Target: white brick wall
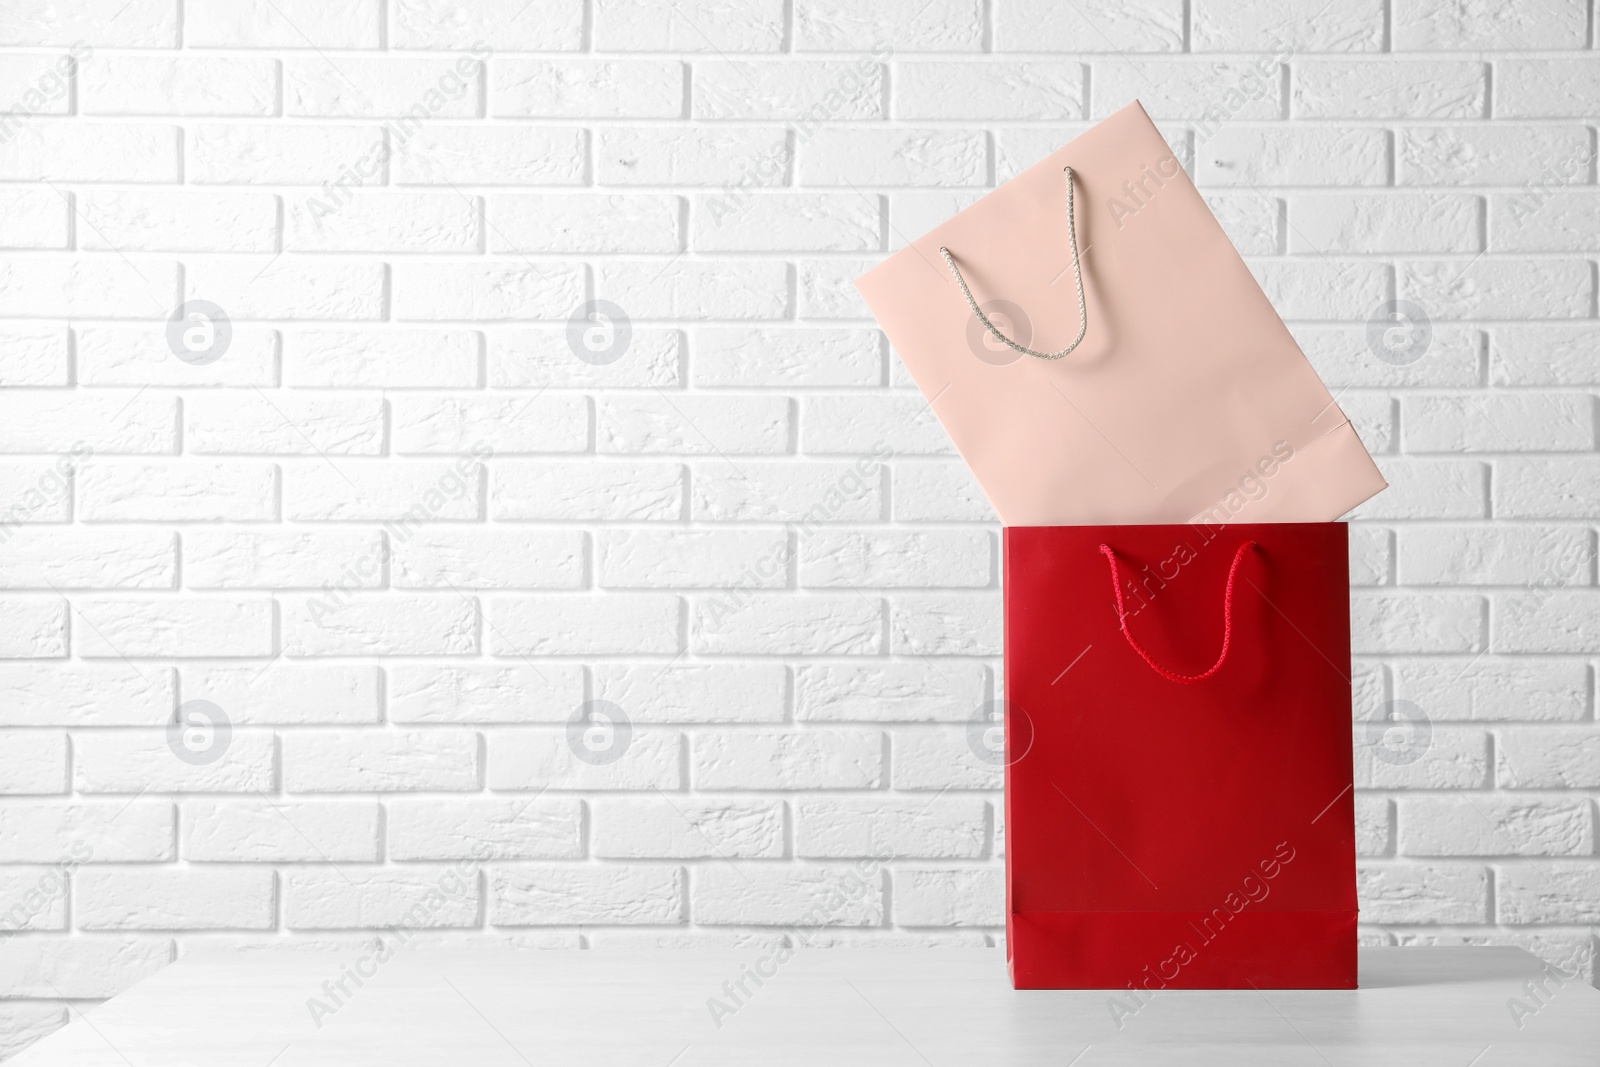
[{"x": 399, "y": 533}]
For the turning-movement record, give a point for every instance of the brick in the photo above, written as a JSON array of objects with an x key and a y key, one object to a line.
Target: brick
[
  {"x": 157, "y": 898},
  {"x": 33, "y": 898},
  {"x": 786, "y": 357},
  {"x": 91, "y": 152},
  {"x": 488, "y": 559},
  {"x": 433, "y": 693},
  {"x": 670, "y": 827},
  {"x": 281, "y": 24},
  {"x": 1190, "y": 88},
  {"x": 1342, "y": 357},
  {"x": 1420, "y": 24},
  {"x": 408, "y": 491},
  {"x": 939, "y": 758},
  {"x": 287, "y": 288},
  {"x": 191, "y": 85},
  {"x": 446, "y": 155},
  {"x": 1389, "y": 89},
  {"x": 1445, "y": 758},
  {"x": 788, "y": 759},
  {"x": 389, "y": 761},
  {"x": 1508, "y": 555},
  {"x": 481, "y": 829},
  {"x": 141, "y": 355},
  {"x": 273, "y": 559},
  {"x": 342, "y": 623},
  {"x": 549, "y": 895},
  {"x": 384, "y": 222},
  {"x": 740, "y": 621},
  {"x": 915, "y": 828},
  {"x": 697, "y": 289},
  {"x": 299, "y": 154},
  {"x": 693, "y": 425},
  {"x": 956, "y": 896},
  {"x": 1553, "y": 892},
  {"x": 44, "y": 558},
  {"x": 477, "y": 292},
  {"x": 539, "y": 760},
  {"x": 212, "y": 626},
  {"x": 1297, "y": 26},
  {"x": 835, "y": 156},
  {"x": 1134, "y": 27},
  {"x": 936, "y": 491},
  {"x": 1498, "y": 153},
  {"x": 1547, "y": 757},
  {"x": 1241, "y": 154},
  {"x": 1422, "y": 893},
  {"x": 732, "y": 158},
  {"x": 826, "y": 290},
  {"x": 812, "y": 91},
  {"x": 32, "y": 762},
  {"x": 387, "y": 359},
  {"x": 1416, "y": 622},
  {"x": 1547, "y": 487},
  {"x": 288, "y": 694},
  {"x": 945, "y": 624},
  {"x": 806, "y": 493},
  {"x": 34, "y": 218},
  {"x": 912, "y": 26},
  {"x": 719, "y": 692},
  {"x": 510, "y": 426},
  {"x": 585, "y": 625},
  {"x": 785, "y": 221},
  {"x": 133, "y": 761},
  {"x": 753, "y": 895},
  {"x": 1545, "y": 620},
  {"x": 1557, "y": 353},
  {"x": 409, "y": 898},
  {"x": 1338, "y": 223},
  {"x": 259, "y": 423},
  {"x": 1496, "y": 690},
  {"x": 1323, "y": 288},
  {"x": 1374, "y": 826},
  {"x": 584, "y": 222},
  {"x": 931, "y": 558},
  {"x": 888, "y": 692},
  {"x": 586, "y": 88},
  {"x": 86, "y": 832},
  {"x": 1467, "y": 825},
  {"x": 1466, "y": 422},
  {"x": 587, "y": 491},
  {"x": 522, "y": 359},
  {"x": 1371, "y": 556},
  {"x": 1548, "y": 87},
  {"x": 458, "y": 24},
  {"x": 648, "y": 26},
  {"x": 279, "y": 831},
  {"x": 1429, "y": 489},
  {"x": 671, "y": 558},
  {"x": 33, "y": 627},
  {"x": 41, "y": 694},
  {"x": 101, "y": 23}
]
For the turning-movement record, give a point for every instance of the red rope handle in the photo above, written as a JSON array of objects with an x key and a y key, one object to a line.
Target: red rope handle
[{"x": 1227, "y": 619}]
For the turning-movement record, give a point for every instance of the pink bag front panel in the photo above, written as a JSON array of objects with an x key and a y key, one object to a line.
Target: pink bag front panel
[{"x": 1188, "y": 400}]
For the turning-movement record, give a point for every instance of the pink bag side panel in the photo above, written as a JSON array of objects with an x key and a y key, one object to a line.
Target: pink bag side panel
[{"x": 1188, "y": 393}]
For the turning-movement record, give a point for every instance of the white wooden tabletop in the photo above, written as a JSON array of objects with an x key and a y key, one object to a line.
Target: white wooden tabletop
[{"x": 484, "y": 1008}]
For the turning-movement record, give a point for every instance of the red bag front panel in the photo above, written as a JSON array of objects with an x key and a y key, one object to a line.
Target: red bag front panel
[{"x": 1170, "y": 834}]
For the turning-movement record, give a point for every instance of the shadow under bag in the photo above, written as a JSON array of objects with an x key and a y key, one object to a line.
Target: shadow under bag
[{"x": 1179, "y": 804}]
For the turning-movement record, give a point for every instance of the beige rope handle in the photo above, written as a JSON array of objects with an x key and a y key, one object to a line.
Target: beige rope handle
[{"x": 1077, "y": 274}]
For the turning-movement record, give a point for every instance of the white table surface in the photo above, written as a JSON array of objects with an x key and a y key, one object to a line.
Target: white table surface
[{"x": 488, "y": 1007}]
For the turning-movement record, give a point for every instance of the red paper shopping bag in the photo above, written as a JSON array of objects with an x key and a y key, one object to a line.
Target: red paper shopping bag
[{"x": 1178, "y": 791}]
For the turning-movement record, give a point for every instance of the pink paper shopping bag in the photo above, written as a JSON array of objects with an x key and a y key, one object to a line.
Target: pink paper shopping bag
[{"x": 1184, "y": 399}]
